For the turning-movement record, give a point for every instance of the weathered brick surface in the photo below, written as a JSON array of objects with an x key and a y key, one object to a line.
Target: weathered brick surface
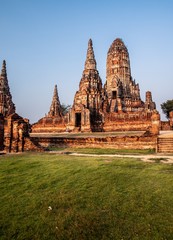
[
  {"x": 54, "y": 121},
  {"x": 165, "y": 145},
  {"x": 31, "y": 145},
  {"x": 86, "y": 111},
  {"x": 7, "y": 106},
  {"x": 16, "y": 137},
  {"x": 1, "y": 132},
  {"x": 165, "y": 126},
  {"x": 171, "y": 119},
  {"x": 49, "y": 124},
  {"x": 124, "y": 142}
]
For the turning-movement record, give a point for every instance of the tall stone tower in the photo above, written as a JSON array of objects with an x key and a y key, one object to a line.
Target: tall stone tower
[
  {"x": 55, "y": 108},
  {"x": 88, "y": 99},
  {"x": 54, "y": 120},
  {"x": 7, "y": 106},
  {"x": 90, "y": 85},
  {"x": 90, "y": 63},
  {"x": 122, "y": 91}
]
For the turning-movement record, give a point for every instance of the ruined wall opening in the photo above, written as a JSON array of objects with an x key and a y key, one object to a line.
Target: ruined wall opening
[
  {"x": 114, "y": 94},
  {"x": 78, "y": 120}
]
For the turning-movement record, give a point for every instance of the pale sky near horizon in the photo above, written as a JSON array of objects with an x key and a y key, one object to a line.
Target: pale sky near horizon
[{"x": 44, "y": 43}]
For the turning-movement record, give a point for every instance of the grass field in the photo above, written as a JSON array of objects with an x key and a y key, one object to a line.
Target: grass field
[
  {"x": 100, "y": 151},
  {"x": 49, "y": 196}
]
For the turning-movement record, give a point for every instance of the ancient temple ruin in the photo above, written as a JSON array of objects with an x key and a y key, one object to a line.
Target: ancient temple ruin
[
  {"x": 97, "y": 107},
  {"x": 122, "y": 91},
  {"x": 114, "y": 106},
  {"x": 54, "y": 120},
  {"x": 126, "y": 109},
  {"x": 7, "y": 106},
  {"x": 85, "y": 114},
  {"x": 14, "y": 130}
]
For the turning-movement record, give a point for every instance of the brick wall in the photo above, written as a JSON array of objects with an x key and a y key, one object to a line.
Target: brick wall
[
  {"x": 124, "y": 142},
  {"x": 1, "y": 133},
  {"x": 165, "y": 126}
]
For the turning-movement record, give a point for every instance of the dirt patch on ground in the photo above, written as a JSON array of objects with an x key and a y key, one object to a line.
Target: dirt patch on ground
[{"x": 167, "y": 159}]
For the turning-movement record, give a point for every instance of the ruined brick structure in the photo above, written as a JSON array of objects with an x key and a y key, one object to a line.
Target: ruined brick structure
[
  {"x": 55, "y": 108},
  {"x": 14, "y": 130},
  {"x": 167, "y": 125},
  {"x": 122, "y": 91},
  {"x": 86, "y": 111},
  {"x": 1, "y": 132},
  {"x": 7, "y": 106},
  {"x": 116, "y": 106},
  {"x": 171, "y": 119},
  {"x": 54, "y": 121}
]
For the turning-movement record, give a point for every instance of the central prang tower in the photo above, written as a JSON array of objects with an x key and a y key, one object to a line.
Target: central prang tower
[{"x": 122, "y": 91}]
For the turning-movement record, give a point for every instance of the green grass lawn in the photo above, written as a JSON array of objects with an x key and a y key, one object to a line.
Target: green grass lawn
[
  {"x": 90, "y": 197},
  {"x": 101, "y": 150}
]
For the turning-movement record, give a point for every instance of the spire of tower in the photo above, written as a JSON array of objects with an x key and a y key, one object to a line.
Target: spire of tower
[
  {"x": 7, "y": 106},
  {"x": 90, "y": 63},
  {"x": 3, "y": 71},
  {"x": 55, "y": 108},
  {"x": 55, "y": 93}
]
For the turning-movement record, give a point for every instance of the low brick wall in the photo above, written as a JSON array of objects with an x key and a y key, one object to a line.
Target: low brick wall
[
  {"x": 118, "y": 142},
  {"x": 1, "y": 133},
  {"x": 128, "y": 126},
  {"x": 165, "y": 125}
]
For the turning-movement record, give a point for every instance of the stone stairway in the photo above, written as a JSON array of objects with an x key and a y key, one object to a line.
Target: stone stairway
[{"x": 165, "y": 145}]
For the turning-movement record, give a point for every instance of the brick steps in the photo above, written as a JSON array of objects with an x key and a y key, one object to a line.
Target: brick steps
[{"x": 165, "y": 145}]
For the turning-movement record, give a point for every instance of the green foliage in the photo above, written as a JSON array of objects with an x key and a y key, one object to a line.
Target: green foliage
[
  {"x": 90, "y": 198},
  {"x": 65, "y": 108},
  {"x": 167, "y": 107}
]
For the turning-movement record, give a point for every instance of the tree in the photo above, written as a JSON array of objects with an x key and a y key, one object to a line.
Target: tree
[
  {"x": 65, "y": 108},
  {"x": 167, "y": 107}
]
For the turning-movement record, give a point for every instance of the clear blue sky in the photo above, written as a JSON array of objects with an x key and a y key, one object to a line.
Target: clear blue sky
[{"x": 45, "y": 41}]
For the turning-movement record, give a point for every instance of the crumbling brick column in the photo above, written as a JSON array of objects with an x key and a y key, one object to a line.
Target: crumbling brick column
[
  {"x": 71, "y": 120},
  {"x": 86, "y": 125},
  {"x": 1, "y": 132},
  {"x": 15, "y": 137},
  {"x": 7, "y": 135},
  {"x": 171, "y": 119},
  {"x": 155, "y": 123},
  {"x": 16, "y": 129}
]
